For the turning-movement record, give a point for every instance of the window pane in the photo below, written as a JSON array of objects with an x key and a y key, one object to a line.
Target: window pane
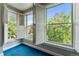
[
  {"x": 59, "y": 27},
  {"x": 59, "y": 14},
  {"x": 29, "y": 27},
  {"x": 11, "y": 25},
  {"x": 29, "y": 20},
  {"x": 29, "y": 35},
  {"x": 60, "y": 33}
]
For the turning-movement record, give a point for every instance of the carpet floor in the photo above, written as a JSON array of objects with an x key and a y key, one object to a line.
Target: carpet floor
[{"x": 24, "y": 50}]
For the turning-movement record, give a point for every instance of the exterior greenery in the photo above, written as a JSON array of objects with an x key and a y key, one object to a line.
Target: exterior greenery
[
  {"x": 59, "y": 29},
  {"x": 12, "y": 26},
  {"x": 29, "y": 31}
]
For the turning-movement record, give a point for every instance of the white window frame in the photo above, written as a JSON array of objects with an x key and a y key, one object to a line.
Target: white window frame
[
  {"x": 11, "y": 11},
  {"x": 26, "y": 14},
  {"x": 60, "y": 45},
  {"x": 6, "y": 39}
]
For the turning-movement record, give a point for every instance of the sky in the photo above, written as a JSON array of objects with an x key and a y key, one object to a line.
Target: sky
[
  {"x": 30, "y": 19},
  {"x": 66, "y": 8}
]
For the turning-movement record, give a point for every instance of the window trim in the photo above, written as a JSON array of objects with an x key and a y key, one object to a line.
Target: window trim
[
  {"x": 13, "y": 12},
  {"x": 26, "y": 14},
  {"x": 56, "y": 44},
  {"x": 27, "y": 20}
]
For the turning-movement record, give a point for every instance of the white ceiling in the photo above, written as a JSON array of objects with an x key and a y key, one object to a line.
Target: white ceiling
[{"x": 21, "y": 6}]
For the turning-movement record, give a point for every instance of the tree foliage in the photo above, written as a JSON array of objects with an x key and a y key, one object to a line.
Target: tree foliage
[
  {"x": 59, "y": 29},
  {"x": 12, "y": 27},
  {"x": 30, "y": 29}
]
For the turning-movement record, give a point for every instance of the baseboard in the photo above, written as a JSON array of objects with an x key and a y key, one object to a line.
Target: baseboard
[
  {"x": 42, "y": 49},
  {"x": 10, "y": 45}
]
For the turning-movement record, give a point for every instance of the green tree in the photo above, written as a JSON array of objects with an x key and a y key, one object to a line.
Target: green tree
[
  {"x": 59, "y": 29},
  {"x": 12, "y": 27}
]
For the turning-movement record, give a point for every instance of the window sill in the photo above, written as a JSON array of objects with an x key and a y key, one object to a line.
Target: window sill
[
  {"x": 28, "y": 41},
  {"x": 59, "y": 51},
  {"x": 68, "y": 48}
]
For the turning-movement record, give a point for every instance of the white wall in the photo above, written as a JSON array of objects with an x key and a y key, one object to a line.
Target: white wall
[
  {"x": 1, "y": 28},
  {"x": 11, "y": 44},
  {"x": 40, "y": 25},
  {"x": 21, "y": 32},
  {"x": 21, "y": 29},
  {"x": 76, "y": 27},
  {"x": 5, "y": 24}
]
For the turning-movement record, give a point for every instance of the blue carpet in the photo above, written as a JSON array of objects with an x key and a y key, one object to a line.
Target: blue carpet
[{"x": 24, "y": 50}]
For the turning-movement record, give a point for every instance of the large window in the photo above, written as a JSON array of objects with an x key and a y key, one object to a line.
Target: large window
[
  {"x": 59, "y": 24},
  {"x": 11, "y": 25},
  {"x": 29, "y": 26}
]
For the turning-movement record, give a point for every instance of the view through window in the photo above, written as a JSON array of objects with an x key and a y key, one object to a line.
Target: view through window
[
  {"x": 11, "y": 25},
  {"x": 29, "y": 27},
  {"x": 59, "y": 24}
]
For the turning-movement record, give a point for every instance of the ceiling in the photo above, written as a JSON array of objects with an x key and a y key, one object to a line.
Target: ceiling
[{"x": 21, "y": 6}]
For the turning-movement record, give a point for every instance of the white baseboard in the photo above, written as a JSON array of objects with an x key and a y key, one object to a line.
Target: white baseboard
[
  {"x": 10, "y": 45},
  {"x": 42, "y": 49}
]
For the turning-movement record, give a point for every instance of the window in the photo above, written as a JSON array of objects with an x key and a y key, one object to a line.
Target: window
[
  {"x": 59, "y": 24},
  {"x": 29, "y": 27},
  {"x": 11, "y": 25}
]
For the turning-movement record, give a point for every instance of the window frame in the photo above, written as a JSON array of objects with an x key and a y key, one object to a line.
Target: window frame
[
  {"x": 58, "y": 44},
  {"x": 26, "y": 14},
  {"x": 6, "y": 39},
  {"x": 27, "y": 20},
  {"x": 13, "y": 12}
]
